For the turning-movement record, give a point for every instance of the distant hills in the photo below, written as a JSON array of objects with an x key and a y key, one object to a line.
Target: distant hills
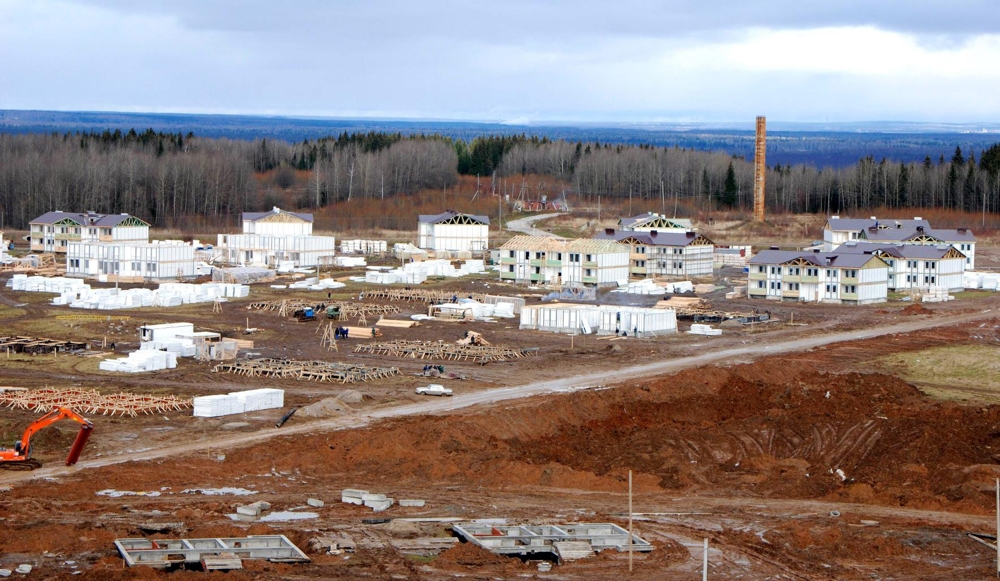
[{"x": 817, "y": 144}]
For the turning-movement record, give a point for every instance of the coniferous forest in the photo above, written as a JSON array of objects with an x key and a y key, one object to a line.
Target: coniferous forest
[{"x": 168, "y": 177}]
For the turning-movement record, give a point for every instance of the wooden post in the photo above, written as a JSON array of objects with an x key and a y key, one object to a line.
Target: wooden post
[
  {"x": 629, "y": 521},
  {"x": 998, "y": 527}
]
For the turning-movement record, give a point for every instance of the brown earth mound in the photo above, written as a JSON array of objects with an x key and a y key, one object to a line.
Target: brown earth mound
[{"x": 917, "y": 309}]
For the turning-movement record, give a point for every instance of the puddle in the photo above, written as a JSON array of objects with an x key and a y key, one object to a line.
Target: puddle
[
  {"x": 226, "y": 490},
  {"x": 120, "y": 493}
]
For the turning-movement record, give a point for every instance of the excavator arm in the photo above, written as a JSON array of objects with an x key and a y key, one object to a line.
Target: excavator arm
[{"x": 19, "y": 457}]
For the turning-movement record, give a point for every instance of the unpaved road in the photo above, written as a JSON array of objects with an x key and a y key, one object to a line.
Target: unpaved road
[
  {"x": 526, "y": 225},
  {"x": 447, "y": 404}
]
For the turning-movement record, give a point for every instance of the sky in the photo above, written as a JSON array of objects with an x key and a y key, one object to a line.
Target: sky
[{"x": 511, "y": 61}]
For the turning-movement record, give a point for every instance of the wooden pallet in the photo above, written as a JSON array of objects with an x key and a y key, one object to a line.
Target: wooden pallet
[
  {"x": 442, "y": 350},
  {"x": 308, "y": 370}
]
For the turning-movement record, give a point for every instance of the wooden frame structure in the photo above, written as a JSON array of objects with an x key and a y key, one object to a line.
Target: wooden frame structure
[
  {"x": 442, "y": 350},
  {"x": 91, "y": 401},
  {"x": 36, "y": 345},
  {"x": 308, "y": 370}
]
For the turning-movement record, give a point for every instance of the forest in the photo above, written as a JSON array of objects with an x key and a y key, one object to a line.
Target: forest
[{"x": 169, "y": 179}]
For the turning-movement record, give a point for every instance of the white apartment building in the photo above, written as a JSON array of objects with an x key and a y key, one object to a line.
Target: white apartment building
[
  {"x": 278, "y": 222},
  {"x": 917, "y": 231},
  {"x": 551, "y": 261},
  {"x": 654, "y": 253},
  {"x": 270, "y": 238},
  {"x": 131, "y": 261},
  {"x": 821, "y": 277},
  {"x": 53, "y": 231},
  {"x": 914, "y": 266}
]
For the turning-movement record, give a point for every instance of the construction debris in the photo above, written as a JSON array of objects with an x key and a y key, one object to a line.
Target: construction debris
[
  {"x": 91, "y": 402},
  {"x": 442, "y": 350},
  {"x": 699, "y": 329},
  {"x": 376, "y": 502},
  {"x": 309, "y": 370},
  {"x": 575, "y": 540},
  {"x": 420, "y": 295}
]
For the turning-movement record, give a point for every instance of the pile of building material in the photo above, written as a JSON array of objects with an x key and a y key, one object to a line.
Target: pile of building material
[
  {"x": 442, "y": 350},
  {"x": 600, "y": 319},
  {"x": 243, "y": 275},
  {"x": 91, "y": 401},
  {"x": 418, "y": 272},
  {"x": 376, "y": 502},
  {"x": 700, "y": 329},
  {"x": 426, "y": 296},
  {"x": 406, "y": 251},
  {"x": 142, "y": 361},
  {"x": 317, "y": 284},
  {"x": 350, "y": 261},
  {"x": 77, "y": 294},
  {"x": 363, "y": 246},
  {"x": 308, "y": 370},
  {"x": 935, "y": 294},
  {"x": 471, "y": 309},
  {"x": 738, "y": 292},
  {"x": 731, "y": 255},
  {"x": 238, "y": 402},
  {"x": 648, "y": 286},
  {"x": 36, "y": 345},
  {"x": 981, "y": 280}
]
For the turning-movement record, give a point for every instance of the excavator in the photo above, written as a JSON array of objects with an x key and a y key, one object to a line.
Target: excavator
[{"x": 19, "y": 457}]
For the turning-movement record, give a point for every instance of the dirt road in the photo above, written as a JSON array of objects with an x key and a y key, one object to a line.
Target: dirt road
[
  {"x": 526, "y": 225},
  {"x": 447, "y": 404}
]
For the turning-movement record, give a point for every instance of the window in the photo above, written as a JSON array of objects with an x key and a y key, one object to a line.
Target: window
[
  {"x": 849, "y": 289},
  {"x": 774, "y": 270},
  {"x": 640, "y": 263},
  {"x": 831, "y": 273},
  {"x": 590, "y": 258},
  {"x": 760, "y": 284},
  {"x": 777, "y": 286},
  {"x": 510, "y": 268},
  {"x": 574, "y": 258},
  {"x": 812, "y": 272},
  {"x": 793, "y": 271},
  {"x": 587, "y": 272},
  {"x": 527, "y": 255},
  {"x": 513, "y": 254},
  {"x": 558, "y": 255},
  {"x": 538, "y": 256},
  {"x": 678, "y": 265},
  {"x": 641, "y": 250},
  {"x": 830, "y": 288},
  {"x": 851, "y": 273},
  {"x": 762, "y": 269},
  {"x": 911, "y": 264},
  {"x": 136, "y": 267}
]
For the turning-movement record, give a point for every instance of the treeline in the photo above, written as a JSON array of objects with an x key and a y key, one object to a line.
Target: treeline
[{"x": 166, "y": 178}]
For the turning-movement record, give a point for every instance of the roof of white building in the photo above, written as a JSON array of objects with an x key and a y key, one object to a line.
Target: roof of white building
[
  {"x": 858, "y": 224},
  {"x": 906, "y": 234},
  {"x": 85, "y": 219},
  {"x": 545, "y": 243},
  {"x": 652, "y": 217},
  {"x": 820, "y": 259},
  {"x": 452, "y": 217},
  {"x": 255, "y": 216},
  {"x": 904, "y": 251},
  {"x": 653, "y": 238}
]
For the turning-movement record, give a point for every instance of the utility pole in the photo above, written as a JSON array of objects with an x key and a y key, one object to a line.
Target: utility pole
[
  {"x": 630, "y": 521},
  {"x": 759, "y": 169}
]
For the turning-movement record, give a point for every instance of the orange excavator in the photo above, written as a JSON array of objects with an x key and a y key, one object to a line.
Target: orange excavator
[{"x": 19, "y": 457}]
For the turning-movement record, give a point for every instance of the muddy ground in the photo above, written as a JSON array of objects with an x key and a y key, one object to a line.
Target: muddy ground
[{"x": 745, "y": 454}]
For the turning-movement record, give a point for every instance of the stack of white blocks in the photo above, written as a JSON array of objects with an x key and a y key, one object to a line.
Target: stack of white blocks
[
  {"x": 238, "y": 402},
  {"x": 418, "y": 272},
  {"x": 699, "y": 329},
  {"x": 315, "y": 283},
  {"x": 141, "y": 362},
  {"x": 77, "y": 294}
]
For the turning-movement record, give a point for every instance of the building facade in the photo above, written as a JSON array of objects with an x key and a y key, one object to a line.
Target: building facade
[
  {"x": 820, "y": 277},
  {"x": 917, "y": 231},
  {"x": 53, "y": 231},
  {"x": 270, "y": 238},
  {"x": 551, "y": 261},
  {"x": 915, "y": 267},
  {"x": 654, "y": 253},
  {"x": 131, "y": 261},
  {"x": 453, "y": 232}
]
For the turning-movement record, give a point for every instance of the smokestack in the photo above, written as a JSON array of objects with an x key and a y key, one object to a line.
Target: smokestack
[{"x": 759, "y": 169}]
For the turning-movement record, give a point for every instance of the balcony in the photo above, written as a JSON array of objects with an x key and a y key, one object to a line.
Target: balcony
[{"x": 508, "y": 276}]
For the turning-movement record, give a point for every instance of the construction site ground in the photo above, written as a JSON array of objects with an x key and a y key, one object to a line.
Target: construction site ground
[{"x": 744, "y": 451}]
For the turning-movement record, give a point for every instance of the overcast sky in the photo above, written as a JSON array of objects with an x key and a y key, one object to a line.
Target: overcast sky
[{"x": 509, "y": 60}]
